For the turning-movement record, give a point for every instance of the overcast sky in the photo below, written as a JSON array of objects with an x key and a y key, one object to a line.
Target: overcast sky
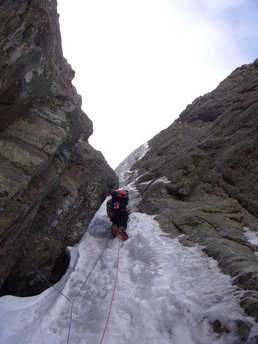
[{"x": 139, "y": 63}]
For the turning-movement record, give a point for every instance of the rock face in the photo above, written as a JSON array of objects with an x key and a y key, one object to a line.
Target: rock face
[
  {"x": 199, "y": 178},
  {"x": 51, "y": 180}
]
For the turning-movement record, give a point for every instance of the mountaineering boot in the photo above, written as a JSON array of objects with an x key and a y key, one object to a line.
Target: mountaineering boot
[
  {"x": 125, "y": 236},
  {"x": 123, "y": 233},
  {"x": 114, "y": 231}
]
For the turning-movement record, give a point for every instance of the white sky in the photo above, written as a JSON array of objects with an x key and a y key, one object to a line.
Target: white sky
[{"x": 139, "y": 63}]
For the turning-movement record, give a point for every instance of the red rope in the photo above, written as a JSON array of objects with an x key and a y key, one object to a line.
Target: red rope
[{"x": 113, "y": 293}]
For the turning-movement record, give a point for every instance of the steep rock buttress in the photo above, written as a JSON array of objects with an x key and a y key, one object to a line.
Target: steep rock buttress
[
  {"x": 200, "y": 178},
  {"x": 51, "y": 180}
]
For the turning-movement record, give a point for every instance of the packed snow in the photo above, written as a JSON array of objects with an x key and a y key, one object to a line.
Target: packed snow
[
  {"x": 165, "y": 293},
  {"x": 251, "y": 236},
  {"x": 149, "y": 289},
  {"x": 124, "y": 171}
]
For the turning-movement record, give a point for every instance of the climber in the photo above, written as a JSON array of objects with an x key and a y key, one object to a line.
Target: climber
[{"x": 117, "y": 211}]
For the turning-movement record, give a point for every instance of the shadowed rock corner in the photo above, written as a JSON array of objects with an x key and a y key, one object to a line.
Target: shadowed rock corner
[{"x": 51, "y": 180}]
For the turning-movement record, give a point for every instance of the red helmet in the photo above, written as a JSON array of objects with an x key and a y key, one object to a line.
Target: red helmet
[{"x": 122, "y": 192}]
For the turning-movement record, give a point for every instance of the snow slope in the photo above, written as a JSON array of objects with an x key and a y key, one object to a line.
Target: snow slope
[
  {"x": 165, "y": 293},
  {"x": 149, "y": 289}
]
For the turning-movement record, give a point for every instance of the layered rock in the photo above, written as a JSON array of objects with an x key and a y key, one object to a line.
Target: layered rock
[
  {"x": 51, "y": 180},
  {"x": 199, "y": 178}
]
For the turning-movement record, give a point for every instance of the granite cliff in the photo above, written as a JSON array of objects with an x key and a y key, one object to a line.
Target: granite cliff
[
  {"x": 199, "y": 178},
  {"x": 51, "y": 180}
]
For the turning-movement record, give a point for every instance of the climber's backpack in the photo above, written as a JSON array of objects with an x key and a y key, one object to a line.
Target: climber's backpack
[{"x": 120, "y": 200}]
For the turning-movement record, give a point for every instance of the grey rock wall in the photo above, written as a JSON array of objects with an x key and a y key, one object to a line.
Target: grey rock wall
[
  {"x": 200, "y": 178},
  {"x": 51, "y": 180}
]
